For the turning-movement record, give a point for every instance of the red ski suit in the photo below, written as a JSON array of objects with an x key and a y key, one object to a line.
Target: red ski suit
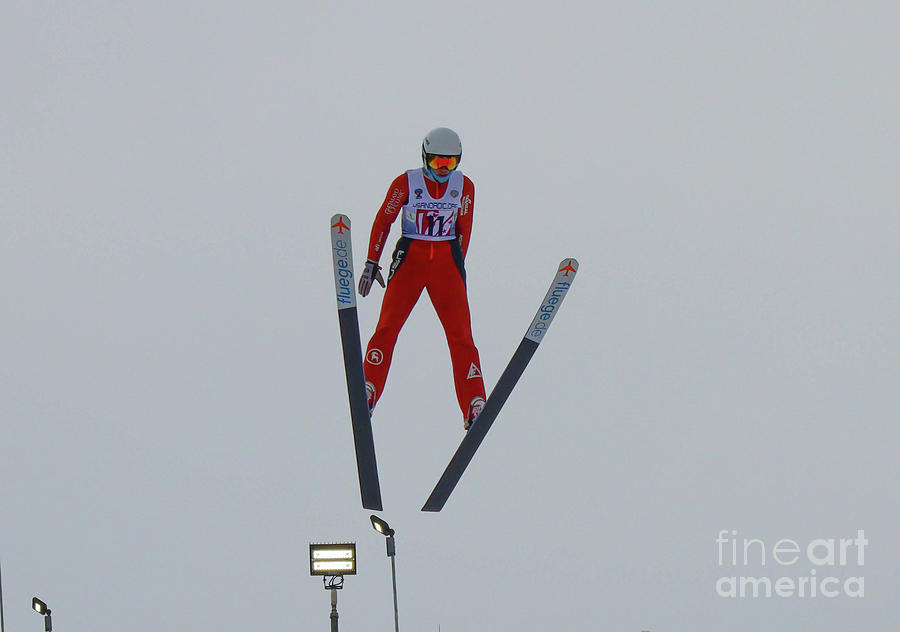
[{"x": 436, "y": 266}]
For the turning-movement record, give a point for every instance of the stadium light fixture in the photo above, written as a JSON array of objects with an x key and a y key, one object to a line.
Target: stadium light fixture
[
  {"x": 384, "y": 529},
  {"x": 332, "y": 560},
  {"x": 41, "y": 608},
  {"x": 381, "y": 526}
]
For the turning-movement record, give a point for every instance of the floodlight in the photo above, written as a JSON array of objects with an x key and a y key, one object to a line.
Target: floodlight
[
  {"x": 41, "y": 608},
  {"x": 333, "y": 560},
  {"x": 384, "y": 529},
  {"x": 381, "y": 526}
]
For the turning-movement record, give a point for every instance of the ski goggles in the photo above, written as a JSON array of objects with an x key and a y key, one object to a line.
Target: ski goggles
[{"x": 436, "y": 162}]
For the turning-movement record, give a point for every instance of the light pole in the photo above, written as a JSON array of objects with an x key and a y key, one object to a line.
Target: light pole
[
  {"x": 41, "y": 608},
  {"x": 385, "y": 529},
  {"x": 332, "y": 562},
  {"x": 2, "y": 626}
]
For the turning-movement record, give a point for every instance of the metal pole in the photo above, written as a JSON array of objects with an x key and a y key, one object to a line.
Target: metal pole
[
  {"x": 2, "y": 627},
  {"x": 392, "y": 552},
  {"x": 394, "y": 578},
  {"x": 334, "y": 612}
]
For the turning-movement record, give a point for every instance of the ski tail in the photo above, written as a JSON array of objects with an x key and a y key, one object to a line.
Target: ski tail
[
  {"x": 562, "y": 281},
  {"x": 348, "y": 321}
]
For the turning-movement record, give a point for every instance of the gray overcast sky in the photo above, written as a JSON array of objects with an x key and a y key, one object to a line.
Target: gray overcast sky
[{"x": 174, "y": 418}]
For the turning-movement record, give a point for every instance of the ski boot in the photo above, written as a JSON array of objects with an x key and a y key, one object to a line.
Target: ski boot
[
  {"x": 370, "y": 397},
  {"x": 475, "y": 408}
]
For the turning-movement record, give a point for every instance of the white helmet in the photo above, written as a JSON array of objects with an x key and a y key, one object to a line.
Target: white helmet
[{"x": 441, "y": 141}]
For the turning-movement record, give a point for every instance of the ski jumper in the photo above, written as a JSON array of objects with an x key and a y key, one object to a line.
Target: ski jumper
[{"x": 436, "y": 224}]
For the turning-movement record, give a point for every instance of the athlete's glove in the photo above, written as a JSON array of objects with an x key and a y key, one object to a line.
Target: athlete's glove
[{"x": 371, "y": 272}]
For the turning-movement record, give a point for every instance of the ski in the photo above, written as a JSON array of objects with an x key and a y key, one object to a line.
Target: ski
[
  {"x": 475, "y": 435},
  {"x": 345, "y": 290}
]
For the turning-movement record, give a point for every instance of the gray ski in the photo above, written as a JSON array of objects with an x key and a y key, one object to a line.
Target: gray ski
[
  {"x": 475, "y": 435},
  {"x": 345, "y": 291}
]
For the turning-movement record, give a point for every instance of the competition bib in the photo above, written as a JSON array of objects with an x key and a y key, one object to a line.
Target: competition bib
[{"x": 427, "y": 218}]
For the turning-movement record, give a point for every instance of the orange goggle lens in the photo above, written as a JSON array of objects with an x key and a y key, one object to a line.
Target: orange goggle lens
[{"x": 436, "y": 162}]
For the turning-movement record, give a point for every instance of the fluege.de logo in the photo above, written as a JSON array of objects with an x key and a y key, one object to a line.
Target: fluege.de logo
[{"x": 821, "y": 567}]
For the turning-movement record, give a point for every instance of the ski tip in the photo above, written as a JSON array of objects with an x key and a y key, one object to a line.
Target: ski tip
[
  {"x": 568, "y": 266},
  {"x": 432, "y": 508},
  {"x": 340, "y": 221}
]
